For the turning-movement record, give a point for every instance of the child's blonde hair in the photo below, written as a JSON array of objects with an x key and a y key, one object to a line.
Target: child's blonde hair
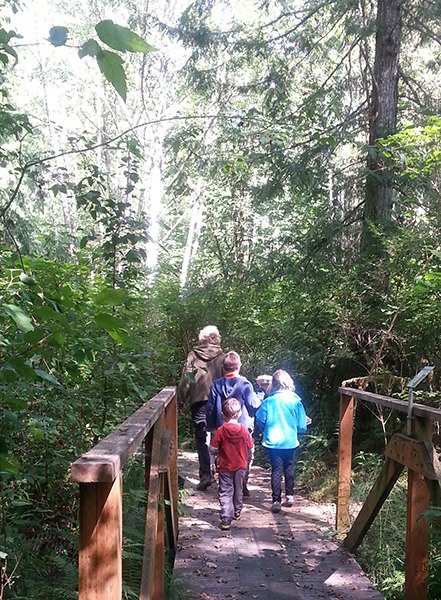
[{"x": 282, "y": 381}]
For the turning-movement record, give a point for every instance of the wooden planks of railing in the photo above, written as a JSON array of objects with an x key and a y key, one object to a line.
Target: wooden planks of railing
[
  {"x": 415, "y": 452},
  {"x": 100, "y": 475}
]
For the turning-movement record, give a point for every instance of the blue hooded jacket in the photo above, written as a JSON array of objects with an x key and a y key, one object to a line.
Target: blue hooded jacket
[
  {"x": 231, "y": 387},
  {"x": 281, "y": 417}
]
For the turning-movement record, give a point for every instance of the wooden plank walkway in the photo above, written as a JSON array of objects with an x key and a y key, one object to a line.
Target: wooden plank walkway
[{"x": 264, "y": 556}]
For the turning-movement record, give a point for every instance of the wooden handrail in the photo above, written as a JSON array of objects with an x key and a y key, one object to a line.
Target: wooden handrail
[
  {"x": 419, "y": 410},
  {"x": 99, "y": 473},
  {"x": 417, "y": 453}
]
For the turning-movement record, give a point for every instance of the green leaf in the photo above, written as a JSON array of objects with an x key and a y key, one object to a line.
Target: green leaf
[
  {"x": 23, "y": 369},
  {"x": 9, "y": 464},
  {"x": 89, "y": 48},
  {"x": 84, "y": 241},
  {"x": 38, "y": 434},
  {"x": 17, "y": 404},
  {"x": 134, "y": 149},
  {"x": 5, "y": 37},
  {"x": 120, "y": 38},
  {"x": 109, "y": 322},
  {"x": 57, "y": 338},
  {"x": 9, "y": 375},
  {"x": 115, "y": 327},
  {"x": 120, "y": 336},
  {"x": 35, "y": 336},
  {"x": 111, "y": 66},
  {"x": 133, "y": 256},
  {"x": 46, "y": 313},
  {"x": 58, "y": 35},
  {"x": 111, "y": 297},
  {"x": 22, "y": 319},
  {"x": 47, "y": 376}
]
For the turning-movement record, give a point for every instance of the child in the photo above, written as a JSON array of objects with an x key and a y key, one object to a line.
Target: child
[
  {"x": 263, "y": 383},
  {"x": 281, "y": 417},
  {"x": 232, "y": 443}
]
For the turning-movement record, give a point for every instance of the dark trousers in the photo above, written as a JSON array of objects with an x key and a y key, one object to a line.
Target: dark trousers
[
  {"x": 231, "y": 493},
  {"x": 200, "y": 438},
  {"x": 282, "y": 463}
]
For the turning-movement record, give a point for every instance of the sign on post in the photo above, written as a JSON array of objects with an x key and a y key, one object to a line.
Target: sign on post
[{"x": 412, "y": 385}]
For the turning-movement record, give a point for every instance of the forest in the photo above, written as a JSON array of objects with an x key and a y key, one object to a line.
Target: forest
[{"x": 268, "y": 166}]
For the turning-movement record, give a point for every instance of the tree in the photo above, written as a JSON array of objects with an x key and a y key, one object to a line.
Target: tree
[{"x": 383, "y": 107}]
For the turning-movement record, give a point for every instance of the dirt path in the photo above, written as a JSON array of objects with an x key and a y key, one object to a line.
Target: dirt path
[{"x": 264, "y": 556}]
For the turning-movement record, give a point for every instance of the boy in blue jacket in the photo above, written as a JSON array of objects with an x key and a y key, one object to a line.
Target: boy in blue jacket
[{"x": 232, "y": 385}]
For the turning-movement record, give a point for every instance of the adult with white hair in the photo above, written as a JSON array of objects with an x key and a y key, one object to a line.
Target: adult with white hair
[{"x": 202, "y": 367}]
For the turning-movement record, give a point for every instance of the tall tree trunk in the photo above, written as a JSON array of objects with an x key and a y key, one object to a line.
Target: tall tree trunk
[
  {"x": 192, "y": 237},
  {"x": 382, "y": 122}
]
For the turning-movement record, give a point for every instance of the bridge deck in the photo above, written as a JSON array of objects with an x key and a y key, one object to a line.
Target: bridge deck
[{"x": 264, "y": 556}]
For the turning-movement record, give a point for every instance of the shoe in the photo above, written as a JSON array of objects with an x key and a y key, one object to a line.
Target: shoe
[
  {"x": 246, "y": 492},
  {"x": 276, "y": 507},
  {"x": 289, "y": 501},
  {"x": 225, "y": 524},
  {"x": 237, "y": 516},
  {"x": 204, "y": 484}
]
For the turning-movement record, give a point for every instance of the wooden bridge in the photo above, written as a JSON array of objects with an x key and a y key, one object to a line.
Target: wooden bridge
[{"x": 289, "y": 556}]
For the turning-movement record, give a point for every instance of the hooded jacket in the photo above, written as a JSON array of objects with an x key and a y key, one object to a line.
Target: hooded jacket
[
  {"x": 281, "y": 417},
  {"x": 202, "y": 367},
  {"x": 232, "y": 387},
  {"x": 232, "y": 441}
]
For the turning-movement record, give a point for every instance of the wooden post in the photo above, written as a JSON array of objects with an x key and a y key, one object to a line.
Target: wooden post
[
  {"x": 344, "y": 466},
  {"x": 100, "y": 557},
  {"x": 417, "y": 538},
  {"x": 417, "y": 528},
  {"x": 171, "y": 489},
  {"x": 99, "y": 473},
  {"x": 158, "y": 586},
  {"x": 148, "y": 584}
]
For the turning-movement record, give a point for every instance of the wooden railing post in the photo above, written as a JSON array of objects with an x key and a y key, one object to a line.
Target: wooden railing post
[
  {"x": 171, "y": 482},
  {"x": 99, "y": 473},
  {"x": 152, "y": 581},
  {"x": 100, "y": 556},
  {"x": 344, "y": 465},
  {"x": 417, "y": 538},
  {"x": 417, "y": 528}
]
